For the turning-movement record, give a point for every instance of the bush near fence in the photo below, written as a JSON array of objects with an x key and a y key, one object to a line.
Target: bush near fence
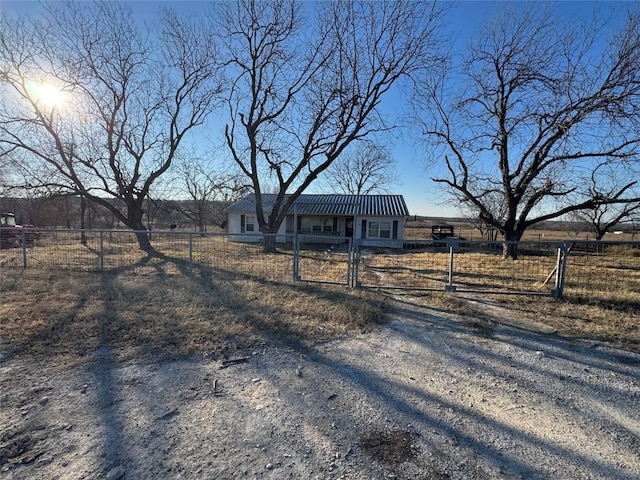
[{"x": 604, "y": 270}]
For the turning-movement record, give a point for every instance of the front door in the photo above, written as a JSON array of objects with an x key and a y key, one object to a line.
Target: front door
[{"x": 349, "y": 228}]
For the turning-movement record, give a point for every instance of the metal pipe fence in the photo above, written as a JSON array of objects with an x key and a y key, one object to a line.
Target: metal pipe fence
[{"x": 592, "y": 269}]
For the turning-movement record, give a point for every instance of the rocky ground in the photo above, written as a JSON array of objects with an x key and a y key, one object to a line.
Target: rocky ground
[{"x": 425, "y": 396}]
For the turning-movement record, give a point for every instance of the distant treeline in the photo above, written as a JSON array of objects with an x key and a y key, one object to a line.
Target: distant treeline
[
  {"x": 551, "y": 225},
  {"x": 67, "y": 212}
]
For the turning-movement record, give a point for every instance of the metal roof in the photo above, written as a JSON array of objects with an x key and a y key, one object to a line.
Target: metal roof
[{"x": 332, "y": 204}]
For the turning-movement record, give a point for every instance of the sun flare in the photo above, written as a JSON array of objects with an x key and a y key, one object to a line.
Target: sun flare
[{"x": 46, "y": 94}]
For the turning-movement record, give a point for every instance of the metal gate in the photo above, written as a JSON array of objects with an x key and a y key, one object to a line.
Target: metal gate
[
  {"x": 400, "y": 269},
  {"x": 434, "y": 265},
  {"x": 463, "y": 266}
]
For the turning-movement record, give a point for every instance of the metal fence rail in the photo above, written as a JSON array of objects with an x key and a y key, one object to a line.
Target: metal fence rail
[
  {"x": 480, "y": 266},
  {"x": 421, "y": 269},
  {"x": 604, "y": 270},
  {"x": 461, "y": 266}
]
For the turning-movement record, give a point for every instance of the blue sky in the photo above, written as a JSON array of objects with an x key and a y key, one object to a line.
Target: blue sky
[{"x": 464, "y": 20}]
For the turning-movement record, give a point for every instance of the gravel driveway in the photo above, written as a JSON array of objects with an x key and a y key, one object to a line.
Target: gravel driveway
[{"x": 425, "y": 396}]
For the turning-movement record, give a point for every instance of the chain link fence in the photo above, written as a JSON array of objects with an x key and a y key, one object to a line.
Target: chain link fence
[{"x": 592, "y": 269}]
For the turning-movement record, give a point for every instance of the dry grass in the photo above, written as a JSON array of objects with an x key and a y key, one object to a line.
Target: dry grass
[
  {"x": 472, "y": 270},
  {"x": 231, "y": 295},
  {"x": 59, "y": 314},
  {"x": 616, "y": 324},
  {"x": 421, "y": 230}
]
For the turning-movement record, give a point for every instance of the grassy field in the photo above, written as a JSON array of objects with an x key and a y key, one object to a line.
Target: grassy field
[
  {"x": 47, "y": 313},
  {"x": 231, "y": 295},
  {"x": 70, "y": 315},
  {"x": 420, "y": 228}
]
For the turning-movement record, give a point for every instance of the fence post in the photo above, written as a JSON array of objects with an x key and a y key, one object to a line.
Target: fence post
[
  {"x": 190, "y": 253},
  {"x": 561, "y": 268},
  {"x": 296, "y": 257},
  {"x": 296, "y": 245},
  {"x": 565, "y": 258},
  {"x": 101, "y": 251},
  {"x": 355, "y": 268},
  {"x": 450, "y": 287},
  {"x": 349, "y": 261},
  {"x": 24, "y": 248}
]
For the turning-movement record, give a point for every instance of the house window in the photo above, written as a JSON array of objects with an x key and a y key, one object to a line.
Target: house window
[
  {"x": 379, "y": 230},
  {"x": 247, "y": 223},
  {"x": 316, "y": 224},
  {"x": 306, "y": 225}
]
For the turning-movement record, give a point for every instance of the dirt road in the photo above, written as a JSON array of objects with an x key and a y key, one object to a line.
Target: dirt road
[{"x": 425, "y": 396}]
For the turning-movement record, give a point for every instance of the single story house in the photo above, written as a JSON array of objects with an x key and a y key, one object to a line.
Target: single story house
[{"x": 372, "y": 220}]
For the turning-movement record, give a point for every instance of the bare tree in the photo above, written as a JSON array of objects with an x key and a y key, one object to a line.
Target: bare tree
[
  {"x": 301, "y": 92},
  {"x": 204, "y": 188},
  {"x": 536, "y": 108},
  {"x": 368, "y": 169},
  {"x": 602, "y": 218},
  {"x": 126, "y": 99},
  {"x": 635, "y": 225}
]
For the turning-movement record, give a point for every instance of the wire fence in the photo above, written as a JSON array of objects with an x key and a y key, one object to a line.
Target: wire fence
[
  {"x": 608, "y": 271},
  {"x": 174, "y": 253},
  {"x": 603, "y": 270},
  {"x": 462, "y": 266}
]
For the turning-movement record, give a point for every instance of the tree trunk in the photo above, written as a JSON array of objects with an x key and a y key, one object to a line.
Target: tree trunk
[
  {"x": 269, "y": 245},
  {"x": 134, "y": 220},
  {"x": 269, "y": 240},
  {"x": 83, "y": 226},
  {"x": 142, "y": 235},
  {"x": 510, "y": 246}
]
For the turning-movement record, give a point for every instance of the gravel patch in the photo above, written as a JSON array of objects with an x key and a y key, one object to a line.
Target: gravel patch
[{"x": 424, "y": 396}]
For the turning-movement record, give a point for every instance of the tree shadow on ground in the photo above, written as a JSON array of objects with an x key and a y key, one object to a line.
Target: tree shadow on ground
[{"x": 436, "y": 339}]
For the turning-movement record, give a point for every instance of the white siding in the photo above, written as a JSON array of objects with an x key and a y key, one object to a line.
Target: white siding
[
  {"x": 236, "y": 235},
  {"x": 234, "y": 228},
  {"x": 379, "y": 242}
]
